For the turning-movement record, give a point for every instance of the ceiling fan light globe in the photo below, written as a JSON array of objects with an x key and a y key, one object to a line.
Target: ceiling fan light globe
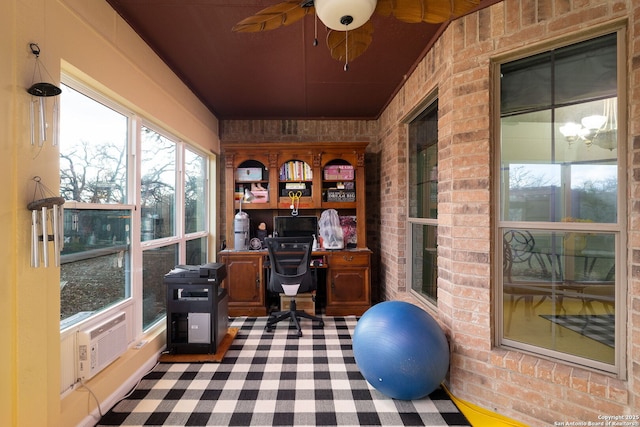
[{"x": 332, "y": 12}]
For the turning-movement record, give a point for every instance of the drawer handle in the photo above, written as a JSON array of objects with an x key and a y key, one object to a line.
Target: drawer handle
[
  {"x": 348, "y": 258},
  {"x": 258, "y": 282}
]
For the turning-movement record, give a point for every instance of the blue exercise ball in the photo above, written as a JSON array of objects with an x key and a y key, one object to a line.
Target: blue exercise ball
[{"x": 401, "y": 350}]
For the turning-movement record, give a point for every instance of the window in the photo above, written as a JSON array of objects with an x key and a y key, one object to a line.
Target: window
[
  {"x": 98, "y": 164},
  {"x": 158, "y": 185},
  {"x": 95, "y": 262},
  {"x": 423, "y": 202},
  {"x": 560, "y": 199},
  {"x": 194, "y": 191}
]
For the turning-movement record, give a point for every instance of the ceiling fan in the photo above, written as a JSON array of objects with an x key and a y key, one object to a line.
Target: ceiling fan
[{"x": 350, "y": 29}]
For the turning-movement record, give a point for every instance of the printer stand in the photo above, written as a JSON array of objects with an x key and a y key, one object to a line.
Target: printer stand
[{"x": 197, "y": 312}]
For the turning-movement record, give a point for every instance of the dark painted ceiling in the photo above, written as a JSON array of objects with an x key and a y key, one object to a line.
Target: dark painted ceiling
[{"x": 275, "y": 74}]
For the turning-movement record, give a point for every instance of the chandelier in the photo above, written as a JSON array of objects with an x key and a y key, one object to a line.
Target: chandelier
[{"x": 598, "y": 129}]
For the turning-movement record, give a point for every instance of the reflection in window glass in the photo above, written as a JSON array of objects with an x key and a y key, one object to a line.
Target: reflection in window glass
[
  {"x": 423, "y": 165},
  {"x": 423, "y": 202},
  {"x": 536, "y": 192},
  {"x": 155, "y": 264},
  {"x": 94, "y": 270},
  {"x": 158, "y": 185},
  {"x": 95, "y": 229},
  {"x": 560, "y": 160},
  {"x": 194, "y": 192},
  {"x": 559, "y": 291},
  {"x": 424, "y": 259},
  {"x": 559, "y": 166},
  {"x": 197, "y": 251}
]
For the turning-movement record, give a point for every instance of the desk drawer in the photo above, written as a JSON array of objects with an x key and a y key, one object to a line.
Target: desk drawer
[{"x": 349, "y": 259}]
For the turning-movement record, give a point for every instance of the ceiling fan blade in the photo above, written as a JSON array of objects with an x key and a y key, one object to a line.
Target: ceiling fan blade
[
  {"x": 358, "y": 41},
  {"x": 460, "y": 7},
  {"x": 384, "y": 7},
  {"x": 437, "y": 11},
  {"x": 411, "y": 11},
  {"x": 276, "y": 16},
  {"x": 430, "y": 11}
]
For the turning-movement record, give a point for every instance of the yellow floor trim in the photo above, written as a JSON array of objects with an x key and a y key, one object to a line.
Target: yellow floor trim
[{"x": 480, "y": 417}]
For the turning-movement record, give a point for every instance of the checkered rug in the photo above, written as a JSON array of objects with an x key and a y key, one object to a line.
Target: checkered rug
[
  {"x": 600, "y": 327},
  {"x": 276, "y": 379}
]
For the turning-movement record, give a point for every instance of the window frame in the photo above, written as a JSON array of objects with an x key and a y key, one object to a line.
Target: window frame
[
  {"x": 619, "y": 228},
  {"x": 127, "y": 303},
  {"x": 420, "y": 109},
  {"x": 133, "y": 304}
]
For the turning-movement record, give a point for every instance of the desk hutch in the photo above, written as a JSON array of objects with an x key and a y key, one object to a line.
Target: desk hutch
[{"x": 270, "y": 171}]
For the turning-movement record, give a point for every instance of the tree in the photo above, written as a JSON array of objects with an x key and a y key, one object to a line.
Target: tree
[{"x": 91, "y": 173}]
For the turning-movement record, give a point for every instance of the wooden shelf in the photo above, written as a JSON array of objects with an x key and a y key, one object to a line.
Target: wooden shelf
[
  {"x": 309, "y": 157},
  {"x": 339, "y": 205},
  {"x": 347, "y": 272}
]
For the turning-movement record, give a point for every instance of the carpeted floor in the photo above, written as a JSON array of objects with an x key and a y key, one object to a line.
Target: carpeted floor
[{"x": 269, "y": 379}]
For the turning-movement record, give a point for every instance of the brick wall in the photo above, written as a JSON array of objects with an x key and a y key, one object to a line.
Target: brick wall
[
  {"x": 527, "y": 388},
  {"x": 298, "y": 130},
  {"x": 530, "y": 389}
]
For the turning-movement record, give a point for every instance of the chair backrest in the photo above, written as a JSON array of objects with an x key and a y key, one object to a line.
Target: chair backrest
[{"x": 290, "y": 259}]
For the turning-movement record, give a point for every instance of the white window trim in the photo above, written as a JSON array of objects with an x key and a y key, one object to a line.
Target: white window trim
[{"x": 134, "y": 302}]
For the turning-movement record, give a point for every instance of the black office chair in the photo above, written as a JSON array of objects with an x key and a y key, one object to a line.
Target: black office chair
[{"x": 291, "y": 274}]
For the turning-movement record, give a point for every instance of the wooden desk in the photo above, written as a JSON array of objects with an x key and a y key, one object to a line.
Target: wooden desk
[{"x": 347, "y": 284}]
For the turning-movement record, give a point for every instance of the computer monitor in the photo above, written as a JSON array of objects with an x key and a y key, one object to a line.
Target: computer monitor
[{"x": 295, "y": 226}]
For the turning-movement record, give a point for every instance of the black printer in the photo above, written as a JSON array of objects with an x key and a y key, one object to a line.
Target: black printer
[
  {"x": 197, "y": 308},
  {"x": 211, "y": 272}
]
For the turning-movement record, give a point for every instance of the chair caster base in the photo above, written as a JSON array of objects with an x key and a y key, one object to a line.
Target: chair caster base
[{"x": 294, "y": 320}]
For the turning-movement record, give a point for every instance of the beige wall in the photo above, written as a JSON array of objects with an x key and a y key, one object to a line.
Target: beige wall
[
  {"x": 88, "y": 40},
  {"x": 526, "y": 388},
  {"x": 7, "y": 217}
]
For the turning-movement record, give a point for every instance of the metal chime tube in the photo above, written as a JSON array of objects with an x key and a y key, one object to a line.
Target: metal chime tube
[
  {"x": 32, "y": 118},
  {"x": 56, "y": 235},
  {"x": 43, "y": 123},
  {"x": 45, "y": 237},
  {"x": 61, "y": 227},
  {"x": 56, "y": 121},
  {"x": 35, "y": 255}
]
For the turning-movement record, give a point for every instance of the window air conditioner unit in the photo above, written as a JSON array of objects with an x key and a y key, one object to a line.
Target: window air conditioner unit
[{"x": 100, "y": 346}]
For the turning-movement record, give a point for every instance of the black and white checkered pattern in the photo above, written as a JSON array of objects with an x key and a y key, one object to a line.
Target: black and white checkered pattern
[
  {"x": 276, "y": 379},
  {"x": 599, "y": 327}
]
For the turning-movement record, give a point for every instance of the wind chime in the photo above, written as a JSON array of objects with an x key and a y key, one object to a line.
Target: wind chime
[
  {"x": 46, "y": 225},
  {"x": 40, "y": 91}
]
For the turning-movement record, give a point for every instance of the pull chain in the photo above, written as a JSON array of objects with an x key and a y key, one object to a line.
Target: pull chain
[
  {"x": 346, "y": 49},
  {"x": 346, "y": 20},
  {"x": 315, "y": 31}
]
